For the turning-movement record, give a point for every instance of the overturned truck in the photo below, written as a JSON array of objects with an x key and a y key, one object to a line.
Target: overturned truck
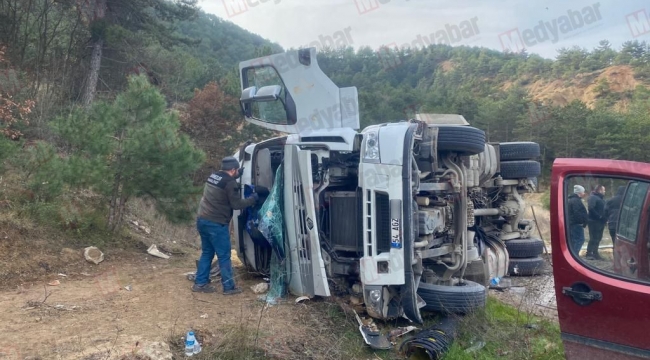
[{"x": 414, "y": 215}]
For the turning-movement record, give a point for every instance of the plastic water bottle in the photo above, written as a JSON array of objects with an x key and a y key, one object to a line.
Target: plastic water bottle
[
  {"x": 495, "y": 281},
  {"x": 197, "y": 346},
  {"x": 190, "y": 340}
]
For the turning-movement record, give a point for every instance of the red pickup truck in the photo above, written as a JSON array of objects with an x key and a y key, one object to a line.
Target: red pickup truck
[{"x": 603, "y": 302}]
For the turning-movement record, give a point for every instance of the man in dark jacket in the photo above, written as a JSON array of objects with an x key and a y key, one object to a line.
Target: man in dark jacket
[
  {"x": 578, "y": 217},
  {"x": 220, "y": 198},
  {"x": 597, "y": 221},
  {"x": 612, "y": 207}
]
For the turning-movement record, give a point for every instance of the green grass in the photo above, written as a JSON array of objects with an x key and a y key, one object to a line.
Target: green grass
[{"x": 506, "y": 333}]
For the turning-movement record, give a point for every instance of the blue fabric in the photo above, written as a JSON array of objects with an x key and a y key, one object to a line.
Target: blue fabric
[
  {"x": 576, "y": 238},
  {"x": 253, "y": 220},
  {"x": 215, "y": 239}
]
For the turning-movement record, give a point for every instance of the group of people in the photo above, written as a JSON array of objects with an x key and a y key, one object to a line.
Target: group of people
[{"x": 595, "y": 216}]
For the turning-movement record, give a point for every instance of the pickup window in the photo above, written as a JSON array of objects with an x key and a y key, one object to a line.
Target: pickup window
[
  {"x": 631, "y": 211},
  {"x": 608, "y": 225}
]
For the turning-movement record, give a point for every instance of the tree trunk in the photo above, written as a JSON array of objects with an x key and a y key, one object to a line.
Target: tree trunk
[
  {"x": 113, "y": 211},
  {"x": 95, "y": 11},
  {"x": 93, "y": 73}
]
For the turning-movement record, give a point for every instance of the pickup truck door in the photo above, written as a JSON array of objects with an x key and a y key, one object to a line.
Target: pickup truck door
[
  {"x": 604, "y": 313},
  {"x": 305, "y": 267}
]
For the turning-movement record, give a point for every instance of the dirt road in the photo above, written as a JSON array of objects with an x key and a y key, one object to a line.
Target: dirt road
[{"x": 94, "y": 316}]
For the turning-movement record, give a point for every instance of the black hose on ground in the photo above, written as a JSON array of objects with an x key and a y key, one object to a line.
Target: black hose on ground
[{"x": 434, "y": 341}]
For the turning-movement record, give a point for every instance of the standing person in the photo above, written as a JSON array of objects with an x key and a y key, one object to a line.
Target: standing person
[
  {"x": 578, "y": 218},
  {"x": 612, "y": 207},
  {"x": 597, "y": 221},
  {"x": 220, "y": 198}
]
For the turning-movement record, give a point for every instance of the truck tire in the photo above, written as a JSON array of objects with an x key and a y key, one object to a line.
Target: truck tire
[
  {"x": 520, "y": 169},
  {"x": 524, "y": 248},
  {"x": 458, "y": 299},
  {"x": 521, "y": 150},
  {"x": 526, "y": 267},
  {"x": 465, "y": 140}
]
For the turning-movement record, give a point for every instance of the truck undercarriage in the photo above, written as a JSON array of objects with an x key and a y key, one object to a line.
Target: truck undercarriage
[{"x": 409, "y": 216}]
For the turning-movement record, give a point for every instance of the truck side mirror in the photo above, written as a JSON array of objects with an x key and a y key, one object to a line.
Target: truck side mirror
[
  {"x": 248, "y": 95},
  {"x": 268, "y": 93}
]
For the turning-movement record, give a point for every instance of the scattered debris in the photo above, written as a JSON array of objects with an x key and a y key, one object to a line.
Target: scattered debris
[
  {"x": 54, "y": 283},
  {"x": 93, "y": 255},
  {"x": 260, "y": 288},
  {"x": 156, "y": 351},
  {"x": 153, "y": 250},
  {"x": 302, "y": 298},
  {"x": 395, "y": 333},
  {"x": 128, "y": 288},
  {"x": 204, "y": 316},
  {"x": 62, "y": 275},
  {"x": 355, "y": 300},
  {"x": 371, "y": 334},
  {"x": 476, "y": 347},
  {"x": 532, "y": 326},
  {"x": 434, "y": 341},
  {"x": 145, "y": 229}
]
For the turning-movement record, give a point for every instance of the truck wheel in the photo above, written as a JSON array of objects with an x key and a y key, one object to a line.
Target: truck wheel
[
  {"x": 466, "y": 140},
  {"x": 524, "y": 248},
  {"x": 520, "y": 169},
  {"x": 521, "y": 150},
  {"x": 459, "y": 299},
  {"x": 526, "y": 267}
]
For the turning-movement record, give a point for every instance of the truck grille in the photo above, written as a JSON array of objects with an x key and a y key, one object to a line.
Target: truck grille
[
  {"x": 382, "y": 231},
  {"x": 345, "y": 226}
]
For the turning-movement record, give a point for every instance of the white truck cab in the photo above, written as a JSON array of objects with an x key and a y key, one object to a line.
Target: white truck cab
[{"x": 412, "y": 215}]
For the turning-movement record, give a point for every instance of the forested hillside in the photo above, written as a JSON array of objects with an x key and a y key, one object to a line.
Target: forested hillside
[
  {"x": 582, "y": 104},
  {"x": 65, "y": 65}
]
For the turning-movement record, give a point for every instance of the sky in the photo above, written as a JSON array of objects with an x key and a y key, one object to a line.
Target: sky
[{"x": 542, "y": 27}]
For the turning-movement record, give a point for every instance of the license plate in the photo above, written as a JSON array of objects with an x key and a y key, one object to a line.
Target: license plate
[{"x": 395, "y": 234}]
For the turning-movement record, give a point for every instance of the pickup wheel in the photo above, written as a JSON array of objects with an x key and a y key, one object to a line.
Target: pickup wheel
[
  {"x": 458, "y": 299},
  {"x": 522, "y": 150},
  {"x": 465, "y": 140},
  {"x": 520, "y": 169},
  {"x": 524, "y": 248},
  {"x": 526, "y": 267}
]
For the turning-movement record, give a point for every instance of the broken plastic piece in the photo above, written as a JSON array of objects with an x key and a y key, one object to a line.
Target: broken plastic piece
[
  {"x": 260, "y": 288},
  {"x": 153, "y": 250},
  {"x": 302, "y": 298},
  {"x": 54, "y": 283},
  {"x": 372, "y": 336},
  {"x": 395, "y": 333}
]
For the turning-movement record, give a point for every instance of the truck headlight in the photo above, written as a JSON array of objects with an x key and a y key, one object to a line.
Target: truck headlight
[
  {"x": 371, "y": 151},
  {"x": 374, "y": 295}
]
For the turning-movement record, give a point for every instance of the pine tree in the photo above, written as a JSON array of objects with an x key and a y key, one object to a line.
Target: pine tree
[{"x": 132, "y": 148}]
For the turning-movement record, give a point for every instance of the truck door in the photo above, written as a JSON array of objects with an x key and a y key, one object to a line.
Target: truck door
[
  {"x": 602, "y": 304},
  {"x": 306, "y": 268},
  {"x": 288, "y": 92}
]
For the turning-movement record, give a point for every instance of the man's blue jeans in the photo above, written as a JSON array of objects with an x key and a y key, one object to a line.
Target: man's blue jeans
[
  {"x": 576, "y": 238},
  {"x": 215, "y": 238}
]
